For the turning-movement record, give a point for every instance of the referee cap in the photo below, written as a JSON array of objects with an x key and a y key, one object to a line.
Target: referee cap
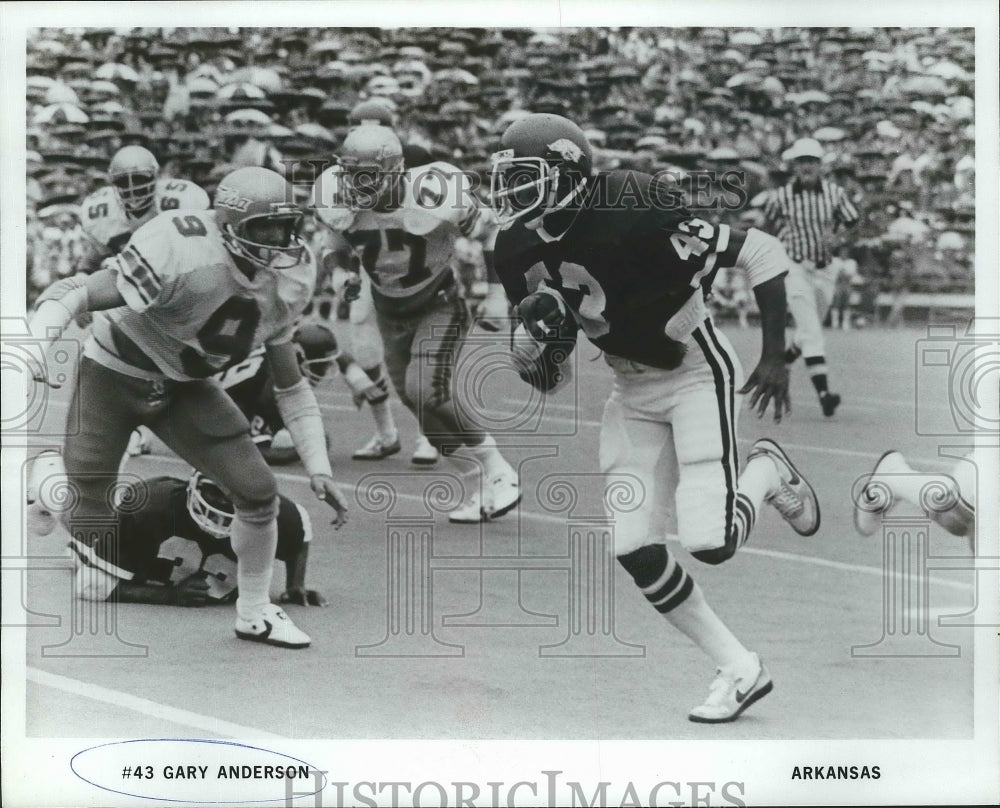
[{"x": 804, "y": 147}]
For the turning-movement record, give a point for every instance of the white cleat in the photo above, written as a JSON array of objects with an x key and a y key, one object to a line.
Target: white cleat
[
  {"x": 273, "y": 627},
  {"x": 794, "y": 498},
  {"x": 876, "y": 498},
  {"x": 424, "y": 454},
  {"x": 499, "y": 495},
  {"x": 376, "y": 449},
  {"x": 138, "y": 443},
  {"x": 732, "y": 692}
]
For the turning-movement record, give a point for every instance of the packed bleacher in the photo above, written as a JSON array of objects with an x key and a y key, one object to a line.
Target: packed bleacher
[{"x": 892, "y": 107}]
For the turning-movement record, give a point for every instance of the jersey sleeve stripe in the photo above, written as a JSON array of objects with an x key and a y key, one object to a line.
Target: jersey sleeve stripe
[
  {"x": 142, "y": 295},
  {"x": 146, "y": 264}
]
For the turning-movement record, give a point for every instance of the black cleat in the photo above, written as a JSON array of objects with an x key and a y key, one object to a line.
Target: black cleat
[{"x": 829, "y": 402}]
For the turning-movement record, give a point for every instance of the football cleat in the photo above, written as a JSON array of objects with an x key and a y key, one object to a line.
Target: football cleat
[
  {"x": 499, "y": 495},
  {"x": 829, "y": 402},
  {"x": 424, "y": 454},
  {"x": 376, "y": 449},
  {"x": 281, "y": 450},
  {"x": 273, "y": 627},
  {"x": 138, "y": 443},
  {"x": 794, "y": 497},
  {"x": 732, "y": 692},
  {"x": 875, "y": 499}
]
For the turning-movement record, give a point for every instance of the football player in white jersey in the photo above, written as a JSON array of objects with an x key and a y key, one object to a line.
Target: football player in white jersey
[
  {"x": 110, "y": 215},
  {"x": 399, "y": 227},
  {"x": 190, "y": 294},
  {"x": 365, "y": 341},
  {"x": 134, "y": 195}
]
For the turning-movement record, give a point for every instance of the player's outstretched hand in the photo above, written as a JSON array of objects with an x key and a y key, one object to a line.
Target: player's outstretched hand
[
  {"x": 325, "y": 489},
  {"x": 767, "y": 383},
  {"x": 191, "y": 592},
  {"x": 300, "y": 596}
]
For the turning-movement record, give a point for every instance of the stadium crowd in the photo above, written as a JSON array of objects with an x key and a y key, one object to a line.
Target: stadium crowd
[{"x": 892, "y": 107}]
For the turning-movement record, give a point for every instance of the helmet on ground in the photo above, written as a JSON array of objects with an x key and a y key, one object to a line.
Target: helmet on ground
[
  {"x": 259, "y": 221},
  {"x": 209, "y": 506},
  {"x": 371, "y": 157},
  {"x": 543, "y": 165},
  {"x": 133, "y": 173}
]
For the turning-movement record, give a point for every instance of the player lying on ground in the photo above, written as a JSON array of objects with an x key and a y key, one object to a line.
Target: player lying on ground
[
  {"x": 609, "y": 254},
  {"x": 175, "y": 549},
  {"x": 192, "y": 293}
]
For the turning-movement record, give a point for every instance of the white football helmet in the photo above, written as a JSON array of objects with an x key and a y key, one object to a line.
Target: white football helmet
[
  {"x": 259, "y": 220},
  {"x": 133, "y": 173},
  {"x": 372, "y": 160},
  {"x": 209, "y": 506}
]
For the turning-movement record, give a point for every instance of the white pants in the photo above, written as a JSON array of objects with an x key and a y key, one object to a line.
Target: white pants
[
  {"x": 810, "y": 293},
  {"x": 674, "y": 432}
]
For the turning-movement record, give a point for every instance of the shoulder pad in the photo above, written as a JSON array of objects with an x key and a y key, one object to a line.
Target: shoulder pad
[
  {"x": 437, "y": 192},
  {"x": 173, "y": 243}
]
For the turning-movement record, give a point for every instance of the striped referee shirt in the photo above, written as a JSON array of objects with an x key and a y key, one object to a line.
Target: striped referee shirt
[{"x": 805, "y": 219}]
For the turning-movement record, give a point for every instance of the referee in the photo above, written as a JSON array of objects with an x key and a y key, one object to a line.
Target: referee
[{"x": 804, "y": 215}]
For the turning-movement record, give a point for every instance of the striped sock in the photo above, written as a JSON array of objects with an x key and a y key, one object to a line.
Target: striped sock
[{"x": 658, "y": 575}]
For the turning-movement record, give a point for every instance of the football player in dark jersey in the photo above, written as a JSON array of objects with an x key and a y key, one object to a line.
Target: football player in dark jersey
[
  {"x": 619, "y": 256},
  {"x": 174, "y": 547}
]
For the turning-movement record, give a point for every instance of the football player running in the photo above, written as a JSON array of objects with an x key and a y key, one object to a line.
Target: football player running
[
  {"x": 399, "y": 226},
  {"x": 191, "y": 293},
  {"x": 365, "y": 341},
  {"x": 134, "y": 195},
  {"x": 616, "y": 255}
]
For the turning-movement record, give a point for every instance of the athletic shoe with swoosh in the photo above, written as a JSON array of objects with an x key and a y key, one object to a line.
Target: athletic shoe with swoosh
[
  {"x": 794, "y": 497},
  {"x": 273, "y": 627},
  {"x": 732, "y": 691}
]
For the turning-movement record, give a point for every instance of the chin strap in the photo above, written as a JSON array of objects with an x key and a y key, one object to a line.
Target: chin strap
[{"x": 553, "y": 206}]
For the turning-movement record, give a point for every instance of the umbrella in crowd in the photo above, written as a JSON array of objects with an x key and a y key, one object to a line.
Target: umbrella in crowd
[
  {"x": 114, "y": 71},
  {"x": 59, "y": 114}
]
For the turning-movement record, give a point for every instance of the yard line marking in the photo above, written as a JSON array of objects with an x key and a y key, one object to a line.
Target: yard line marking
[{"x": 163, "y": 712}]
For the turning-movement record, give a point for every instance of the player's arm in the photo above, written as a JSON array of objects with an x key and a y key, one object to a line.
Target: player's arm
[
  {"x": 765, "y": 262},
  {"x": 299, "y": 410},
  {"x": 480, "y": 224},
  {"x": 68, "y": 298},
  {"x": 192, "y": 591}
]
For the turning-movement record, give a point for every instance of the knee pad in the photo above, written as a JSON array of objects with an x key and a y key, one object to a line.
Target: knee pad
[{"x": 257, "y": 512}]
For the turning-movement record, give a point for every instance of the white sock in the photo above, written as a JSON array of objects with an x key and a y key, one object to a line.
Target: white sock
[
  {"x": 696, "y": 619},
  {"x": 384, "y": 422},
  {"x": 759, "y": 480},
  {"x": 487, "y": 454},
  {"x": 254, "y": 544}
]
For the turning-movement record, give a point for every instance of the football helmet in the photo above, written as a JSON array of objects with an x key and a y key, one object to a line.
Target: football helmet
[
  {"x": 543, "y": 165},
  {"x": 133, "y": 173},
  {"x": 209, "y": 506},
  {"x": 376, "y": 111},
  {"x": 372, "y": 160},
  {"x": 259, "y": 221},
  {"x": 317, "y": 350}
]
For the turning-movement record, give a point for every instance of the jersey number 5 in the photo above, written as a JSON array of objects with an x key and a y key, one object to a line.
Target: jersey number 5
[{"x": 228, "y": 334}]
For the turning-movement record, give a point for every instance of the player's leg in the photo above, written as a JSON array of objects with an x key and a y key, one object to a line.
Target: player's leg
[
  {"x": 717, "y": 507},
  {"x": 948, "y": 499},
  {"x": 368, "y": 350},
  {"x": 808, "y": 339},
  {"x": 450, "y": 425},
  {"x": 206, "y": 428},
  {"x": 634, "y": 448},
  {"x": 110, "y": 406}
]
